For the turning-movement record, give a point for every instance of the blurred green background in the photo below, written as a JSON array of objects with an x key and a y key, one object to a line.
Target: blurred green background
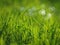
[{"x": 29, "y": 22}]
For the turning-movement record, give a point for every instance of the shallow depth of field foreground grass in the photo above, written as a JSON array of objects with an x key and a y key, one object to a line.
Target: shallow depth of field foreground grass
[{"x": 24, "y": 22}]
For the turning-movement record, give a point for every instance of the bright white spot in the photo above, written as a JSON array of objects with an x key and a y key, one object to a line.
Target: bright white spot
[
  {"x": 43, "y": 12},
  {"x": 49, "y": 15}
]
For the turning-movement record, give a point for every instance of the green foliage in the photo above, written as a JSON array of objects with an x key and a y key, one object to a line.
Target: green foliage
[{"x": 29, "y": 22}]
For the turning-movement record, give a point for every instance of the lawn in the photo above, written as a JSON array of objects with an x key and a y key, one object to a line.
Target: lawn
[{"x": 29, "y": 22}]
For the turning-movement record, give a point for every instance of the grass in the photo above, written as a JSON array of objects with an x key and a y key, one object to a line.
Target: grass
[{"x": 24, "y": 28}]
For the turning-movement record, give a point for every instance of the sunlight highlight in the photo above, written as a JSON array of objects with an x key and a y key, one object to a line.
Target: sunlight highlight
[{"x": 42, "y": 12}]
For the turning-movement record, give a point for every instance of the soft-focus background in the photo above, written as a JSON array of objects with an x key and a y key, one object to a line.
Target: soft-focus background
[{"x": 29, "y": 22}]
